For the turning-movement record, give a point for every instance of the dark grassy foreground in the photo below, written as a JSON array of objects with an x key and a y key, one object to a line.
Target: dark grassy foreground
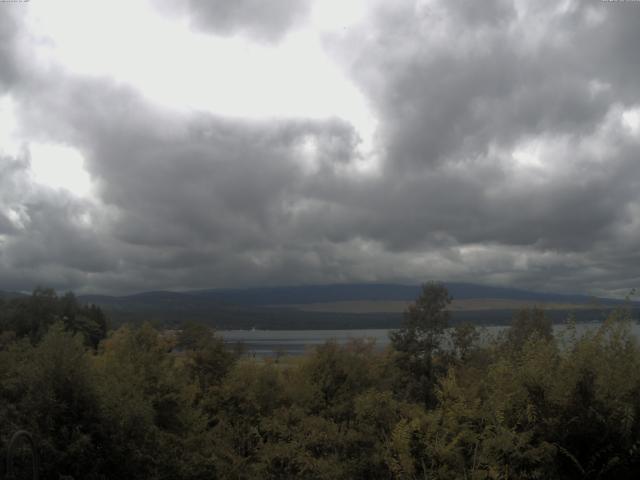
[{"x": 133, "y": 405}]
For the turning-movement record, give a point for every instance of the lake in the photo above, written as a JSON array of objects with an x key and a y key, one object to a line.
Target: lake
[{"x": 266, "y": 343}]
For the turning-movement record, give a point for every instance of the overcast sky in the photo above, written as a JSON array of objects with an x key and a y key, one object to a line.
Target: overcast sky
[{"x": 172, "y": 144}]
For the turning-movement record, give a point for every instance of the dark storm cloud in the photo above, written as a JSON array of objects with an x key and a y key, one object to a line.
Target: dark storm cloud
[
  {"x": 9, "y": 193},
  {"x": 449, "y": 81},
  {"x": 47, "y": 234},
  {"x": 504, "y": 159},
  {"x": 256, "y": 18},
  {"x": 459, "y": 88},
  {"x": 193, "y": 199}
]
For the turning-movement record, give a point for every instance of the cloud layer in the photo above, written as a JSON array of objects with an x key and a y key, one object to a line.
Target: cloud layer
[
  {"x": 506, "y": 152},
  {"x": 261, "y": 20}
]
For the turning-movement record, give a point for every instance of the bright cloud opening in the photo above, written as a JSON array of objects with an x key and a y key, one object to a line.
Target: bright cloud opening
[
  {"x": 631, "y": 120},
  {"x": 528, "y": 155},
  {"x": 60, "y": 167},
  {"x": 231, "y": 76},
  {"x": 337, "y": 14}
]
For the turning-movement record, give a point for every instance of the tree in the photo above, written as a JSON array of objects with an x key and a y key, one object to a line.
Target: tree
[
  {"x": 207, "y": 358},
  {"x": 89, "y": 320},
  {"x": 420, "y": 338},
  {"x": 145, "y": 394},
  {"x": 32, "y": 317},
  {"x": 463, "y": 339},
  {"x": 528, "y": 323},
  {"x": 49, "y": 390}
]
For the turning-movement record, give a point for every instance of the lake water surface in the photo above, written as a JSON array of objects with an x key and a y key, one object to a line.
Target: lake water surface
[{"x": 266, "y": 343}]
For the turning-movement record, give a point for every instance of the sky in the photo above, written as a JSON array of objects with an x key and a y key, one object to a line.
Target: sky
[{"x": 184, "y": 144}]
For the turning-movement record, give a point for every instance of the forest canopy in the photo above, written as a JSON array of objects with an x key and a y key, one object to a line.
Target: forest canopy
[{"x": 137, "y": 402}]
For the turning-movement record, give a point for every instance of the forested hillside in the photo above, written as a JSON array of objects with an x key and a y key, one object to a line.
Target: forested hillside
[
  {"x": 349, "y": 306},
  {"x": 141, "y": 403}
]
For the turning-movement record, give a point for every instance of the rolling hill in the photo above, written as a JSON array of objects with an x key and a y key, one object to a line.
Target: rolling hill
[{"x": 336, "y": 306}]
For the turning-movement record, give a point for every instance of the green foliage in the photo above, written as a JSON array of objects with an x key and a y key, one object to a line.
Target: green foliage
[
  {"x": 145, "y": 392},
  {"x": 150, "y": 404},
  {"x": 526, "y": 324},
  {"x": 207, "y": 358},
  {"x": 464, "y": 339},
  {"x": 31, "y": 317},
  {"x": 419, "y": 339},
  {"x": 424, "y": 322},
  {"x": 49, "y": 390}
]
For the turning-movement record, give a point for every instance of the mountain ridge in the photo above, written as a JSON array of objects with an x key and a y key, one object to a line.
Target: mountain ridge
[
  {"x": 290, "y": 295},
  {"x": 336, "y": 306}
]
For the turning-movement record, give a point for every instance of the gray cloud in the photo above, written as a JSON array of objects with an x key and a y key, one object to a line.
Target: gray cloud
[
  {"x": 267, "y": 21},
  {"x": 459, "y": 89},
  {"x": 203, "y": 198},
  {"x": 9, "y": 29},
  {"x": 505, "y": 159},
  {"x": 446, "y": 82},
  {"x": 47, "y": 235}
]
